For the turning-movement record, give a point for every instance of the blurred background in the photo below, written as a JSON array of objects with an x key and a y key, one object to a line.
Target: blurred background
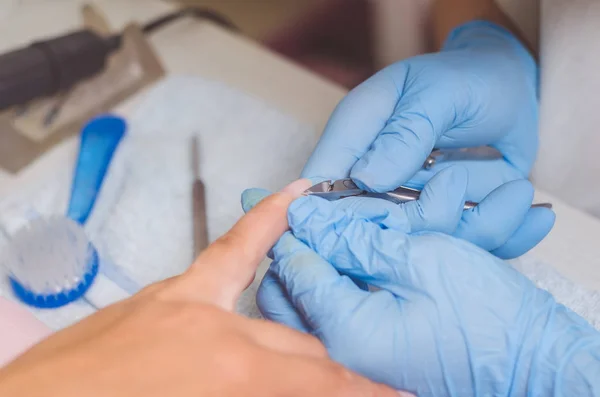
[
  {"x": 343, "y": 40},
  {"x": 347, "y": 40},
  {"x": 333, "y": 38}
]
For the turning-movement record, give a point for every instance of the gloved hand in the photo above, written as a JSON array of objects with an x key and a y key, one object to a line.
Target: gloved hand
[
  {"x": 495, "y": 222},
  {"x": 450, "y": 319},
  {"x": 481, "y": 89}
]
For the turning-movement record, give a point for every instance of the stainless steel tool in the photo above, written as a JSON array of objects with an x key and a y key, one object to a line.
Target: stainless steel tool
[
  {"x": 472, "y": 153},
  {"x": 342, "y": 188},
  {"x": 198, "y": 203}
]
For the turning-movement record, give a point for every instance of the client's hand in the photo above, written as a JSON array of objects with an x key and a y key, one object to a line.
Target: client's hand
[
  {"x": 449, "y": 319},
  {"x": 180, "y": 337}
]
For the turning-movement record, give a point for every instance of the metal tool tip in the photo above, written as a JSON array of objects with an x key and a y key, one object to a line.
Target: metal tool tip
[
  {"x": 321, "y": 187},
  {"x": 195, "y": 155}
]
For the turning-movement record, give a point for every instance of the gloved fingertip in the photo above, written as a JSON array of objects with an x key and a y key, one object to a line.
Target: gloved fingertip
[
  {"x": 251, "y": 197},
  {"x": 516, "y": 195},
  {"x": 536, "y": 226},
  {"x": 270, "y": 254},
  {"x": 525, "y": 188},
  {"x": 361, "y": 178},
  {"x": 441, "y": 203},
  {"x": 371, "y": 178},
  {"x": 498, "y": 216},
  {"x": 452, "y": 181},
  {"x": 358, "y": 179},
  {"x": 397, "y": 153}
]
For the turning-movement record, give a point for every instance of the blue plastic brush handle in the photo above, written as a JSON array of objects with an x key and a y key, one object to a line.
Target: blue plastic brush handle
[{"x": 99, "y": 140}]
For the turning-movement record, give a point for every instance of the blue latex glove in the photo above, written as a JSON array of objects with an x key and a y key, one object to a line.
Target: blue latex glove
[
  {"x": 481, "y": 89},
  {"x": 495, "y": 222},
  {"x": 450, "y": 319},
  {"x": 441, "y": 200}
]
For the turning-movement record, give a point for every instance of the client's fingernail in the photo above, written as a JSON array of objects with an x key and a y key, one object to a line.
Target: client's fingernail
[
  {"x": 405, "y": 394},
  {"x": 298, "y": 187},
  {"x": 314, "y": 180},
  {"x": 251, "y": 197}
]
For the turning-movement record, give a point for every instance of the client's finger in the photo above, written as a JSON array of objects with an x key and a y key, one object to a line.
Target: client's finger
[{"x": 228, "y": 265}]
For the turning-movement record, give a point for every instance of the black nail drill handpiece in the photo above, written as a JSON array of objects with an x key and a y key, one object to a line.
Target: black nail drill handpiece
[
  {"x": 47, "y": 67},
  {"x": 55, "y": 65}
]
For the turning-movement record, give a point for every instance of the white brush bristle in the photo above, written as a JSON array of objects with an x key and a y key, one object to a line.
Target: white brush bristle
[{"x": 48, "y": 255}]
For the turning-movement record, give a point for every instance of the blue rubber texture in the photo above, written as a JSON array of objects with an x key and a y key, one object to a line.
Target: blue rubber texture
[
  {"x": 99, "y": 141},
  {"x": 61, "y": 299}
]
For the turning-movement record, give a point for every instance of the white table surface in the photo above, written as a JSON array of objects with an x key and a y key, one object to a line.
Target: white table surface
[{"x": 199, "y": 48}]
